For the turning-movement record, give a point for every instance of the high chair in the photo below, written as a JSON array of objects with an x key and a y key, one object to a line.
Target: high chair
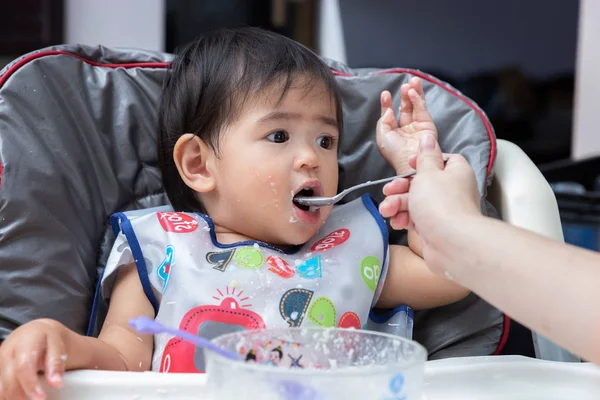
[
  {"x": 77, "y": 144},
  {"x": 524, "y": 198}
]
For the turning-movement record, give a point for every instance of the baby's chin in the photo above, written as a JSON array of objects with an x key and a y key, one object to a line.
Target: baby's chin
[
  {"x": 292, "y": 232},
  {"x": 292, "y": 239}
]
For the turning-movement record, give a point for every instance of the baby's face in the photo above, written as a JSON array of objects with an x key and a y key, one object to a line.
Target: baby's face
[{"x": 272, "y": 153}]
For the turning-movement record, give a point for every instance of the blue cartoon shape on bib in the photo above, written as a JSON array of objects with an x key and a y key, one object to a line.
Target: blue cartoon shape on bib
[{"x": 164, "y": 269}]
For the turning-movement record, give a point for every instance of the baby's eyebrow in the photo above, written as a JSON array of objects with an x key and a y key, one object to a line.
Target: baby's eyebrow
[{"x": 282, "y": 115}]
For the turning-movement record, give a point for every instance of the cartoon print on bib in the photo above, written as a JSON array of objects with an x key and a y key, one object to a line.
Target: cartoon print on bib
[
  {"x": 209, "y": 321},
  {"x": 310, "y": 268},
  {"x": 279, "y": 266},
  {"x": 220, "y": 259},
  {"x": 334, "y": 239},
  {"x": 177, "y": 222},
  {"x": 293, "y": 306},
  {"x": 250, "y": 257},
  {"x": 349, "y": 320},
  {"x": 370, "y": 270},
  {"x": 322, "y": 312},
  {"x": 211, "y": 289},
  {"x": 164, "y": 269}
]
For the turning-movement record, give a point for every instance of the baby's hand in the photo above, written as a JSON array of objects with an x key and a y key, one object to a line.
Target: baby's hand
[
  {"x": 398, "y": 142},
  {"x": 33, "y": 347}
]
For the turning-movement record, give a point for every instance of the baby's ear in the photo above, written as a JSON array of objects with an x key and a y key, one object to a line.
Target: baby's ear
[{"x": 192, "y": 157}]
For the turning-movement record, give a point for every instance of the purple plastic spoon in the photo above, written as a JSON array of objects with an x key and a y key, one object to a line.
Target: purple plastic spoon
[{"x": 147, "y": 325}]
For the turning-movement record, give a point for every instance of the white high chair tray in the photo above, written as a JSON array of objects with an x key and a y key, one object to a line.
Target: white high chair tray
[
  {"x": 470, "y": 378},
  {"x": 510, "y": 378}
]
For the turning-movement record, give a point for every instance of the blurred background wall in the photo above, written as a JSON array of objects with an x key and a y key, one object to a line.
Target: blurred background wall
[{"x": 519, "y": 60}]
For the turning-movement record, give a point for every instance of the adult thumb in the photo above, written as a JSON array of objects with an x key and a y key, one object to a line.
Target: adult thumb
[{"x": 429, "y": 156}]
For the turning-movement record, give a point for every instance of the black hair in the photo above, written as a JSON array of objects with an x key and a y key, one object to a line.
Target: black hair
[{"x": 211, "y": 79}]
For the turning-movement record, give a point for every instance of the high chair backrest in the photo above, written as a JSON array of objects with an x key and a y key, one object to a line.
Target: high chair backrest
[{"x": 77, "y": 143}]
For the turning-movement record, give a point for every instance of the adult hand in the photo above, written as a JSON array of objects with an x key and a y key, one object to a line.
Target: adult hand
[
  {"x": 536, "y": 280},
  {"x": 436, "y": 200}
]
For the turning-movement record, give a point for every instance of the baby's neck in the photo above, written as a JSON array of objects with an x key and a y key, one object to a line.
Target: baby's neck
[{"x": 228, "y": 236}]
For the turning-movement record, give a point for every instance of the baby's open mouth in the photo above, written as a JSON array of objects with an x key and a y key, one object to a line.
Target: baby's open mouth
[{"x": 306, "y": 192}]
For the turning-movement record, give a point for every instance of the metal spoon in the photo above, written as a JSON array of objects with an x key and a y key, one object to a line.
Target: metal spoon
[{"x": 327, "y": 201}]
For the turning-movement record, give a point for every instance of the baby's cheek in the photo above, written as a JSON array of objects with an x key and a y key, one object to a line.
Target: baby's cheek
[{"x": 272, "y": 190}]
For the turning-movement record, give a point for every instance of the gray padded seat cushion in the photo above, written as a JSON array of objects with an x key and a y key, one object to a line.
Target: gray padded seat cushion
[{"x": 77, "y": 143}]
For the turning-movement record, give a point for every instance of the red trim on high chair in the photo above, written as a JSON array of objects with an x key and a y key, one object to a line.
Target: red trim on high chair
[
  {"x": 34, "y": 56},
  {"x": 488, "y": 127},
  {"x": 504, "y": 337}
]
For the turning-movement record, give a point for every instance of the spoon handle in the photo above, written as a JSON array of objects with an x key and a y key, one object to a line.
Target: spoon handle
[{"x": 148, "y": 325}]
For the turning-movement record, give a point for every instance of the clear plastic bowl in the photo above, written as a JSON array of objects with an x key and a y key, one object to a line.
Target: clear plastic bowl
[{"x": 316, "y": 364}]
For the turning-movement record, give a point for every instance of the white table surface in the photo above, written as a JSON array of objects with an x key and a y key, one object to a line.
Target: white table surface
[{"x": 470, "y": 378}]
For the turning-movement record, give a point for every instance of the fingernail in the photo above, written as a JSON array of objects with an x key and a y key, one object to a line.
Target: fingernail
[
  {"x": 55, "y": 378},
  {"x": 427, "y": 142}
]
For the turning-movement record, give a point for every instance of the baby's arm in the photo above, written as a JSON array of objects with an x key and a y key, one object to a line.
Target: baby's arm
[
  {"x": 410, "y": 282},
  {"x": 47, "y": 345},
  {"x": 120, "y": 347}
]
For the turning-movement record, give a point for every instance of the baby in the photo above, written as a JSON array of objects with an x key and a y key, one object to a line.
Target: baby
[{"x": 248, "y": 121}]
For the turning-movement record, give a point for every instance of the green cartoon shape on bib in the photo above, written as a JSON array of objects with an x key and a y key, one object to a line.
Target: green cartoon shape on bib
[
  {"x": 370, "y": 270},
  {"x": 249, "y": 257},
  {"x": 322, "y": 312}
]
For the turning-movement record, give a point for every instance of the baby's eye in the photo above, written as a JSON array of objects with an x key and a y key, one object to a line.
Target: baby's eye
[
  {"x": 326, "y": 142},
  {"x": 278, "y": 136}
]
